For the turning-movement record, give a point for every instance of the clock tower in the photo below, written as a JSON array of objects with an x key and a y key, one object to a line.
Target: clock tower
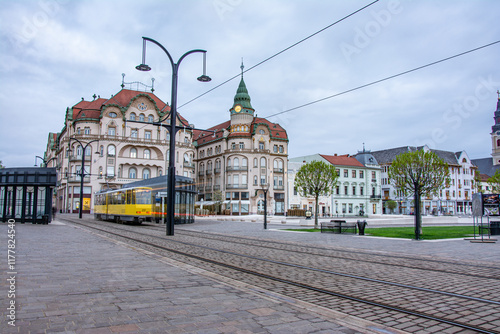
[
  {"x": 242, "y": 112},
  {"x": 495, "y": 135}
]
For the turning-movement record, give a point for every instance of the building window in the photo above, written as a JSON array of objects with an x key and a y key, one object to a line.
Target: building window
[
  {"x": 275, "y": 148},
  {"x": 110, "y": 171},
  {"x": 346, "y": 191},
  {"x": 261, "y": 145},
  {"x": 242, "y": 145},
  {"x": 133, "y": 153},
  {"x": 361, "y": 174},
  {"x": 150, "y": 119},
  {"x": 147, "y": 154},
  {"x": 141, "y": 117},
  {"x": 147, "y": 134},
  {"x": 354, "y": 190},
  {"x": 338, "y": 190},
  {"x": 262, "y": 132},
  {"x": 133, "y": 133},
  {"x": 263, "y": 162},
  {"x": 112, "y": 114},
  {"x": 346, "y": 173},
  {"x": 255, "y": 162},
  {"x": 111, "y": 131},
  {"x": 361, "y": 191},
  {"x": 132, "y": 173},
  {"x": 132, "y": 116},
  {"x": 86, "y": 131},
  {"x": 146, "y": 174},
  {"x": 111, "y": 150},
  {"x": 353, "y": 174},
  {"x": 255, "y": 180},
  {"x": 281, "y": 148}
]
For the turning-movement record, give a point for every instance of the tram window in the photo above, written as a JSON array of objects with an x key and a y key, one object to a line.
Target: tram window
[
  {"x": 143, "y": 196},
  {"x": 129, "y": 196}
]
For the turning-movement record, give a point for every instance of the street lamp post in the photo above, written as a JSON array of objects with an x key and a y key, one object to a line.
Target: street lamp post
[
  {"x": 265, "y": 189},
  {"x": 82, "y": 171},
  {"x": 173, "y": 117},
  {"x": 45, "y": 162}
]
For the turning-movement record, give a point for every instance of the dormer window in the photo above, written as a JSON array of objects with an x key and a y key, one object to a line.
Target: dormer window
[{"x": 112, "y": 115}]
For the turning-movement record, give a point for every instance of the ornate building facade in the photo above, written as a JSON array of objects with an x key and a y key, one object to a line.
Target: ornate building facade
[
  {"x": 115, "y": 147},
  {"x": 240, "y": 156}
]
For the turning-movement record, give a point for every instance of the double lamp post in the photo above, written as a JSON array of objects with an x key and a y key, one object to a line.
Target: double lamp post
[{"x": 172, "y": 128}]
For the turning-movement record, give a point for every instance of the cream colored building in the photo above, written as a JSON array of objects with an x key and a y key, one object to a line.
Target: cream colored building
[
  {"x": 120, "y": 151},
  {"x": 239, "y": 156}
]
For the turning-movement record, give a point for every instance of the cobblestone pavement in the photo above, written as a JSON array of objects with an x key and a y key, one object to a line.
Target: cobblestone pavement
[
  {"x": 71, "y": 281},
  {"x": 454, "y": 249}
]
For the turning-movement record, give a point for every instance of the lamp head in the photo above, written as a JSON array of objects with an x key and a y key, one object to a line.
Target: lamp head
[
  {"x": 143, "y": 67},
  {"x": 204, "y": 78}
]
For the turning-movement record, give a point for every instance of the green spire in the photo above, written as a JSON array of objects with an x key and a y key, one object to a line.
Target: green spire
[{"x": 242, "y": 98}]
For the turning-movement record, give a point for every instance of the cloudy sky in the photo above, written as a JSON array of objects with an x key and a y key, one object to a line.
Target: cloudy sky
[{"x": 54, "y": 52}]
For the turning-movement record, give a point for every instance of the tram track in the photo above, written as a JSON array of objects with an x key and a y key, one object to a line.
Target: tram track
[{"x": 370, "y": 291}]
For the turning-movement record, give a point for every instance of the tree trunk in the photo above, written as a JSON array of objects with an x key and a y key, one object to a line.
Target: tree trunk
[
  {"x": 418, "y": 215},
  {"x": 316, "y": 225}
]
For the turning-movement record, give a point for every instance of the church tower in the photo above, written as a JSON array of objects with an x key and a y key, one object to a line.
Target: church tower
[
  {"x": 242, "y": 113},
  {"x": 495, "y": 135}
]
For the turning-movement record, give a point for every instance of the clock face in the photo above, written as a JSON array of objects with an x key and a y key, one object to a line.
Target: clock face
[
  {"x": 237, "y": 108},
  {"x": 142, "y": 106}
]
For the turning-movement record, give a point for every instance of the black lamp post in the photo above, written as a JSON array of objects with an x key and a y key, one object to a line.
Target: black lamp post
[
  {"x": 173, "y": 118},
  {"x": 44, "y": 162},
  {"x": 265, "y": 189},
  {"x": 82, "y": 171}
]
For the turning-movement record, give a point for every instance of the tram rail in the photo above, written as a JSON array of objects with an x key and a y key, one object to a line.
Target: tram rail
[{"x": 324, "y": 287}]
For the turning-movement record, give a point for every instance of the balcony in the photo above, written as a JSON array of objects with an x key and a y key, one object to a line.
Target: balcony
[
  {"x": 236, "y": 186},
  {"x": 236, "y": 168},
  {"x": 209, "y": 172},
  {"x": 217, "y": 187},
  {"x": 278, "y": 187},
  {"x": 376, "y": 196},
  {"x": 208, "y": 188},
  {"x": 201, "y": 173},
  {"x": 216, "y": 170},
  {"x": 278, "y": 170},
  {"x": 77, "y": 178},
  {"x": 77, "y": 158},
  {"x": 188, "y": 164}
]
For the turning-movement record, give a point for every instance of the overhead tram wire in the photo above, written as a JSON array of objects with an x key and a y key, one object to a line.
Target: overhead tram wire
[
  {"x": 277, "y": 54},
  {"x": 381, "y": 80}
]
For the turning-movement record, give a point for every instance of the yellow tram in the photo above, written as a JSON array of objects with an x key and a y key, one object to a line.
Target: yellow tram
[{"x": 142, "y": 201}]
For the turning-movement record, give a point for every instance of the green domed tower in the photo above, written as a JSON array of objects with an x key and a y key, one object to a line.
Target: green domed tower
[{"x": 242, "y": 112}]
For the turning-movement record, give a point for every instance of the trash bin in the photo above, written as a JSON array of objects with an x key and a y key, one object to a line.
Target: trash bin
[
  {"x": 308, "y": 214},
  {"x": 361, "y": 226},
  {"x": 45, "y": 219},
  {"x": 495, "y": 228}
]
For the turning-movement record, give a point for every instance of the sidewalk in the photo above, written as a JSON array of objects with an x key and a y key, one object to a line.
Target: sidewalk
[{"x": 71, "y": 281}]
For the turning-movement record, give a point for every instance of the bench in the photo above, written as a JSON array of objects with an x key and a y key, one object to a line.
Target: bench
[{"x": 338, "y": 226}]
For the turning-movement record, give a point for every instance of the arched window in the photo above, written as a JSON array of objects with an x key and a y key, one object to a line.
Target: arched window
[
  {"x": 150, "y": 118},
  {"x": 236, "y": 162},
  {"x": 228, "y": 162},
  {"x": 111, "y": 150},
  {"x": 147, "y": 154},
  {"x": 132, "y": 173},
  {"x": 255, "y": 162},
  {"x": 133, "y": 153},
  {"x": 132, "y": 116},
  {"x": 263, "y": 162},
  {"x": 101, "y": 150},
  {"x": 79, "y": 151},
  {"x": 146, "y": 174},
  {"x": 187, "y": 159},
  {"x": 100, "y": 172},
  {"x": 244, "y": 162},
  {"x": 141, "y": 117},
  {"x": 255, "y": 180}
]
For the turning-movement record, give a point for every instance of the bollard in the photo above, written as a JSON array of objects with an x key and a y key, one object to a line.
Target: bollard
[{"x": 361, "y": 226}]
